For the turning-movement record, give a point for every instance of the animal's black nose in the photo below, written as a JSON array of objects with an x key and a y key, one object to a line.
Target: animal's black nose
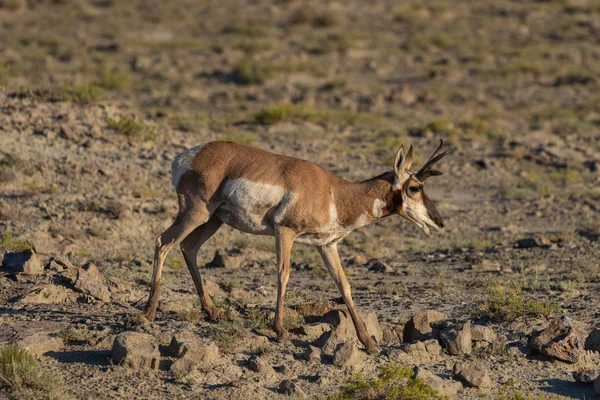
[{"x": 441, "y": 224}]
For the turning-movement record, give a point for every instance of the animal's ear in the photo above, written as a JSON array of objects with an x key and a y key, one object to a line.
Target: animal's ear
[{"x": 401, "y": 165}]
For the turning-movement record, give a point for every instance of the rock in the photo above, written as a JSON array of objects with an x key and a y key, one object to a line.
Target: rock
[
  {"x": 175, "y": 347},
  {"x": 22, "y": 262},
  {"x": 312, "y": 354},
  {"x": 392, "y": 334},
  {"x": 347, "y": 355},
  {"x": 59, "y": 264},
  {"x": 480, "y": 333},
  {"x": 46, "y": 295},
  {"x": 378, "y": 266},
  {"x": 315, "y": 308},
  {"x": 344, "y": 327},
  {"x": 536, "y": 241},
  {"x": 445, "y": 387},
  {"x": 592, "y": 342},
  {"x": 229, "y": 260},
  {"x": 289, "y": 388},
  {"x": 86, "y": 283},
  {"x": 560, "y": 340},
  {"x": 419, "y": 351},
  {"x": 586, "y": 375},
  {"x": 136, "y": 350},
  {"x": 256, "y": 364},
  {"x": 419, "y": 326},
  {"x": 457, "y": 339},
  {"x": 212, "y": 288},
  {"x": 193, "y": 355},
  {"x": 41, "y": 343},
  {"x": 359, "y": 259},
  {"x": 473, "y": 373},
  {"x": 93, "y": 271}
]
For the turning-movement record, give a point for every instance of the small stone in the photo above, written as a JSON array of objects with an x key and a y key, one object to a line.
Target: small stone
[
  {"x": 457, "y": 339},
  {"x": 445, "y": 387},
  {"x": 87, "y": 284},
  {"x": 592, "y": 342},
  {"x": 487, "y": 266},
  {"x": 175, "y": 348},
  {"x": 392, "y": 334},
  {"x": 344, "y": 327},
  {"x": 378, "y": 266},
  {"x": 256, "y": 364},
  {"x": 46, "y": 295},
  {"x": 419, "y": 326},
  {"x": 536, "y": 241},
  {"x": 585, "y": 375},
  {"x": 347, "y": 355},
  {"x": 480, "y": 333},
  {"x": 229, "y": 260},
  {"x": 312, "y": 354},
  {"x": 359, "y": 259},
  {"x": 194, "y": 355},
  {"x": 473, "y": 373},
  {"x": 289, "y": 388},
  {"x": 560, "y": 340},
  {"x": 93, "y": 271},
  {"x": 136, "y": 350},
  {"x": 316, "y": 308},
  {"x": 22, "y": 262},
  {"x": 59, "y": 264}
]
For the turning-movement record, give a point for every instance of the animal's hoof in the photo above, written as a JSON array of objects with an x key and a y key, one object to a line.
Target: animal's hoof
[
  {"x": 374, "y": 350},
  {"x": 216, "y": 315},
  {"x": 149, "y": 315},
  {"x": 283, "y": 336}
]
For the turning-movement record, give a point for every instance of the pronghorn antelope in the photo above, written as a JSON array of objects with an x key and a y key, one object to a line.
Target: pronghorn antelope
[{"x": 294, "y": 200}]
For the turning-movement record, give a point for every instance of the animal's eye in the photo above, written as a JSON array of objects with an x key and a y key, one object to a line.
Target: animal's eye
[{"x": 415, "y": 189}]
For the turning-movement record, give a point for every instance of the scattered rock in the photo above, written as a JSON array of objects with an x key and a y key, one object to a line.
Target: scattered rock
[
  {"x": 256, "y": 364},
  {"x": 316, "y": 308},
  {"x": 46, "y": 295},
  {"x": 229, "y": 260},
  {"x": 136, "y": 350},
  {"x": 378, "y": 266},
  {"x": 315, "y": 331},
  {"x": 445, "y": 387},
  {"x": 392, "y": 334},
  {"x": 585, "y": 375},
  {"x": 560, "y": 340},
  {"x": 344, "y": 327},
  {"x": 93, "y": 271},
  {"x": 289, "y": 388},
  {"x": 41, "y": 343},
  {"x": 312, "y": 354},
  {"x": 86, "y": 283},
  {"x": 359, "y": 259},
  {"x": 59, "y": 264},
  {"x": 480, "y": 333},
  {"x": 592, "y": 342},
  {"x": 22, "y": 262},
  {"x": 457, "y": 339},
  {"x": 175, "y": 348},
  {"x": 347, "y": 355},
  {"x": 473, "y": 373},
  {"x": 194, "y": 354},
  {"x": 419, "y": 326},
  {"x": 536, "y": 241}
]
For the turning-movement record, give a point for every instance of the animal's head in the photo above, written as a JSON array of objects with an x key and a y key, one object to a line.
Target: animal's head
[{"x": 410, "y": 199}]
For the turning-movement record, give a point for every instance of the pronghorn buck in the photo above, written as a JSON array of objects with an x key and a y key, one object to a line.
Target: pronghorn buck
[{"x": 291, "y": 199}]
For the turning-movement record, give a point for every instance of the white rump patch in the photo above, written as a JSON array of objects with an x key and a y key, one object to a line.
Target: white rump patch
[{"x": 181, "y": 163}]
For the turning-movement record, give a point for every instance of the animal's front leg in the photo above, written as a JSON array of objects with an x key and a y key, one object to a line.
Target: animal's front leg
[{"x": 284, "y": 239}]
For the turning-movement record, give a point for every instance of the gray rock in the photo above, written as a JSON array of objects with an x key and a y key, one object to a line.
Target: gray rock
[
  {"x": 59, "y": 264},
  {"x": 445, "y": 387},
  {"x": 289, "y": 388},
  {"x": 41, "y": 343},
  {"x": 419, "y": 326},
  {"x": 392, "y": 334},
  {"x": 457, "y": 339},
  {"x": 473, "y": 373},
  {"x": 22, "y": 262},
  {"x": 480, "y": 333},
  {"x": 344, "y": 327},
  {"x": 93, "y": 271},
  {"x": 136, "y": 350},
  {"x": 586, "y": 375},
  {"x": 559, "y": 340},
  {"x": 592, "y": 342},
  {"x": 175, "y": 347},
  {"x": 256, "y": 364},
  {"x": 315, "y": 331},
  {"x": 229, "y": 260},
  {"x": 194, "y": 355},
  {"x": 347, "y": 355},
  {"x": 86, "y": 283},
  {"x": 312, "y": 354},
  {"x": 46, "y": 295}
]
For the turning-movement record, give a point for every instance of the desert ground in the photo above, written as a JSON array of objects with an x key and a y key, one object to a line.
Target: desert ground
[{"x": 98, "y": 96}]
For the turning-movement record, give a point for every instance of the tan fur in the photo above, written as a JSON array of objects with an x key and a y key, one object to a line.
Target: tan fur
[{"x": 292, "y": 199}]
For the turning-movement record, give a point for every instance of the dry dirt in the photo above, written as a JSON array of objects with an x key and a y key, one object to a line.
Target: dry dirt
[{"x": 97, "y": 97}]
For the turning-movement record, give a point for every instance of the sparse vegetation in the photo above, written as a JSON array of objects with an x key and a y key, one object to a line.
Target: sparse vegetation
[
  {"x": 22, "y": 374},
  {"x": 8, "y": 243},
  {"x": 126, "y": 126},
  {"x": 247, "y": 72},
  {"x": 509, "y": 304},
  {"x": 393, "y": 382}
]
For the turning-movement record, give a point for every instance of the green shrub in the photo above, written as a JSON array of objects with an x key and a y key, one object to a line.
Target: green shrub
[
  {"x": 251, "y": 73},
  {"x": 126, "y": 126},
  {"x": 113, "y": 79},
  {"x": 509, "y": 304},
  {"x": 7, "y": 243},
  {"x": 393, "y": 383}
]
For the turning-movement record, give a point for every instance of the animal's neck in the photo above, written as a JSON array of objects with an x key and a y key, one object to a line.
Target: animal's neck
[{"x": 362, "y": 203}]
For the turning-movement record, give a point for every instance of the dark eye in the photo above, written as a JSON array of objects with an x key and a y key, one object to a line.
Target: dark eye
[{"x": 415, "y": 189}]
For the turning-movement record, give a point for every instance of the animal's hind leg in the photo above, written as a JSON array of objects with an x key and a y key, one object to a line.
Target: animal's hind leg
[
  {"x": 190, "y": 247},
  {"x": 184, "y": 224}
]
